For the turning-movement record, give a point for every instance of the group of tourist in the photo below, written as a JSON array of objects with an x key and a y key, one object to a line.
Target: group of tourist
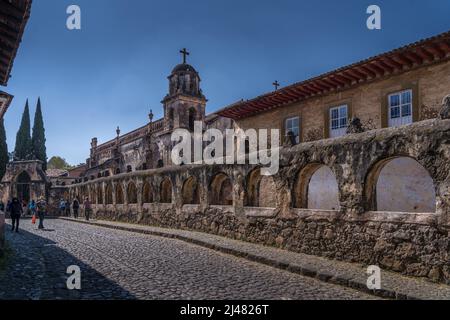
[
  {"x": 65, "y": 206},
  {"x": 15, "y": 208},
  {"x": 38, "y": 209}
]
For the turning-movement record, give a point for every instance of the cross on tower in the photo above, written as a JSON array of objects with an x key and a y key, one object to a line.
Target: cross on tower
[
  {"x": 185, "y": 53},
  {"x": 276, "y": 84}
]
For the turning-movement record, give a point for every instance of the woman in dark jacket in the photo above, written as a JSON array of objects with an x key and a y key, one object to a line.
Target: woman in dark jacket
[
  {"x": 75, "y": 207},
  {"x": 15, "y": 211},
  {"x": 41, "y": 212}
]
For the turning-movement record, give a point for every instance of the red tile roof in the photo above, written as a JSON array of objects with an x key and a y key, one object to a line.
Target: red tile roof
[{"x": 424, "y": 52}]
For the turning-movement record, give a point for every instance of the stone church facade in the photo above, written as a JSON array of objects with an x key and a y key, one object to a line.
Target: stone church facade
[{"x": 150, "y": 146}]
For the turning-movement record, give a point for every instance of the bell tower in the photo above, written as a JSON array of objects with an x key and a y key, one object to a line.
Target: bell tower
[{"x": 185, "y": 102}]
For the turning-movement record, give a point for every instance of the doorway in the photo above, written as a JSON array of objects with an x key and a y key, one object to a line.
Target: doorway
[{"x": 23, "y": 187}]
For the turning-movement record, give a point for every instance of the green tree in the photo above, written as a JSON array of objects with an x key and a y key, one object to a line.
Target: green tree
[
  {"x": 4, "y": 156},
  {"x": 24, "y": 149},
  {"x": 58, "y": 163},
  {"x": 38, "y": 138}
]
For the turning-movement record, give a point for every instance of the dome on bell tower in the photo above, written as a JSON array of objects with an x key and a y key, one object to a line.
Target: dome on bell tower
[
  {"x": 184, "y": 80},
  {"x": 183, "y": 67},
  {"x": 185, "y": 102}
]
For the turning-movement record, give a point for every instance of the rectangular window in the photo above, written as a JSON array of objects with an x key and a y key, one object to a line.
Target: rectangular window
[
  {"x": 293, "y": 125},
  {"x": 400, "y": 108},
  {"x": 338, "y": 121}
]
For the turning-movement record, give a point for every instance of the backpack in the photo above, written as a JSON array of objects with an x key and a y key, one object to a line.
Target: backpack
[{"x": 41, "y": 206}]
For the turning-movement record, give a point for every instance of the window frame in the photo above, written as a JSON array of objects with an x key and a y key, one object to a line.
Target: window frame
[
  {"x": 339, "y": 119},
  {"x": 289, "y": 128},
  {"x": 401, "y": 104}
]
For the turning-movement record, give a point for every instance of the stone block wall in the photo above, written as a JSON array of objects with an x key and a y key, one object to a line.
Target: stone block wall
[
  {"x": 2, "y": 232},
  {"x": 429, "y": 85},
  {"x": 416, "y": 244}
]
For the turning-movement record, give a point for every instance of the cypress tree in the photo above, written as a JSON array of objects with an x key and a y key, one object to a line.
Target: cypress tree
[
  {"x": 38, "y": 139},
  {"x": 23, "y": 149},
  {"x": 4, "y": 156}
]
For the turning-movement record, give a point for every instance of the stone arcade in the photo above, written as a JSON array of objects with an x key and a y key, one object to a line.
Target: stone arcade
[
  {"x": 374, "y": 190},
  {"x": 237, "y": 202}
]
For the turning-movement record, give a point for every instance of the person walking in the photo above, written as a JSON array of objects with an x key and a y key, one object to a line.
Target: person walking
[
  {"x": 25, "y": 207},
  {"x": 41, "y": 211},
  {"x": 62, "y": 207},
  {"x": 67, "y": 208},
  {"x": 75, "y": 207},
  {"x": 16, "y": 211},
  {"x": 32, "y": 207},
  {"x": 87, "y": 208}
]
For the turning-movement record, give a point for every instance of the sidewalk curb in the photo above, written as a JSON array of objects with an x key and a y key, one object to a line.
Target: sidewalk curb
[{"x": 307, "y": 271}]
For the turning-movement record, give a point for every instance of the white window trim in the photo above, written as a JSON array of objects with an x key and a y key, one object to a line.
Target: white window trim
[
  {"x": 297, "y": 139},
  {"x": 342, "y": 130},
  {"x": 402, "y": 120}
]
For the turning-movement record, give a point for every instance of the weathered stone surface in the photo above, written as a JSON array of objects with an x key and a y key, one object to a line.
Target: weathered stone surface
[
  {"x": 355, "y": 126},
  {"x": 445, "y": 111},
  {"x": 414, "y": 244},
  {"x": 2, "y": 232}
]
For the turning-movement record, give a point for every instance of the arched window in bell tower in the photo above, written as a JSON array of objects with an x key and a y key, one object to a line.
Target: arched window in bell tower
[
  {"x": 192, "y": 118},
  {"x": 170, "y": 114}
]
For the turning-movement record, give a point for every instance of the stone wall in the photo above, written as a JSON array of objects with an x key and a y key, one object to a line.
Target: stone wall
[
  {"x": 429, "y": 85},
  {"x": 416, "y": 244},
  {"x": 2, "y": 232}
]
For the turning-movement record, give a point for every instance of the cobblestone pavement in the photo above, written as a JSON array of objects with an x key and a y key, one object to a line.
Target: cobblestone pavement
[
  {"x": 352, "y": 275},
  {"x": 124, "y": 265}
]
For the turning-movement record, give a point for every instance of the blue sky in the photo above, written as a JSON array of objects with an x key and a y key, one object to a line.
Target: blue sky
[{"x": 115, "y": 69}]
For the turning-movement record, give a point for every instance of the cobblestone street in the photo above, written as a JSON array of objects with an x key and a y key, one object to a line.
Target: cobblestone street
[{"x": 124, "y": 265}]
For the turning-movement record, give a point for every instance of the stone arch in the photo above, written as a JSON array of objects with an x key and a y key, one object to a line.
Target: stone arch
[
  {"x": 93, "y": 193},
  {"x": 316, "y": 188},
  {"x": 147, "y": 193},
  {"x": 109, "y": 194},
  {"x": 400, "y": 184},
  {"x": 165, "y": 192},
  {"x": 190, "y": 191},
  {"x": 119, "y": 194},
  {"x": 23, "y": 184},
  {"x": 221, "y": 190},
  {"x": 132, "y": 193},
  {"x": 261, "y": 190},
  {"x": 99, "y": 194},
  {"x": 84, "y": 193}
]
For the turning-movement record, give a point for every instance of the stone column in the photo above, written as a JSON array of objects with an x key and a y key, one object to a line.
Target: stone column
[
  {"x": 177, "y": 194},
  {"x": 2, "y": 232},
  {"x": 126, "y": 201},
  {"x": 202, "y": 182},
  {"x": 238, "y": 193},
  {"x": 351, "y": 191},
  {"x": 139, "y": 185},
  {"x": 443, "y": 202}
]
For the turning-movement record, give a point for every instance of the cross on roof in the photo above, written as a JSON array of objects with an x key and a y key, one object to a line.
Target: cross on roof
[
  {"x": 276, "y": 84},
  {"x": 185, "y": 53}
]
